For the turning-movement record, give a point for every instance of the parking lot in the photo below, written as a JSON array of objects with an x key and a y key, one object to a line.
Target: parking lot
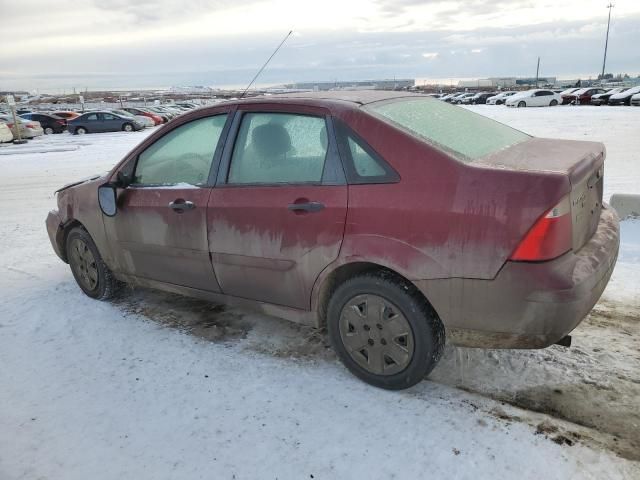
[{"x": 179, "y": 388}]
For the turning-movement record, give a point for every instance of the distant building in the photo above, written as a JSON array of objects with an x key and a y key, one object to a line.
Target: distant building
[{"x": 387, "y": 84}]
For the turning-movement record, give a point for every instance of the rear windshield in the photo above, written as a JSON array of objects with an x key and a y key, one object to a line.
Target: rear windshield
[{"x": 460, "y": 132}]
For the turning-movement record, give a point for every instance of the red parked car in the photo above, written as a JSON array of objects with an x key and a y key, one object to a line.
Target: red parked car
[
  {"x": 583, "y": 95},
  {"x": 394, "y": 220}
]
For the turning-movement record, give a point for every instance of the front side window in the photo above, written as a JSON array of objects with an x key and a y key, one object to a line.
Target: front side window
[
  {"x": 464, "y": 134},
  {"x": 274, "y": 148},
  {"x": 184, "y": 155},
  {"x": 92, "y": 117}
]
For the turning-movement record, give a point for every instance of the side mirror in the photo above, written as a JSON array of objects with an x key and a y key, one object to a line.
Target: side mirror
[{"x": 107, "y": 198}]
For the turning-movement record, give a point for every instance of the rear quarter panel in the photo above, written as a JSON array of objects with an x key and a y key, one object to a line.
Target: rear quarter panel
[{"x": 444, "y": 218}]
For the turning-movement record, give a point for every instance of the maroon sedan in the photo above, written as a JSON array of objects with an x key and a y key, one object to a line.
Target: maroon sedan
[
  {"x": 583, "y": 95},
  {"x": 394, "y": 220}
]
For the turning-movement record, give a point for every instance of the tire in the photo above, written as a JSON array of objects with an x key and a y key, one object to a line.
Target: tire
[
  {"x": 89, "y": 270},
  {"x": 127, "y": 127},
  {"x": 499, "y": 102},
  {"x": 521, "y": 104},
  {"x": 553, "y": 103},
  {"x": 364, "y": 314},
  {"x": 81, "y": 131},
  {"x": 48, "y": 131}
]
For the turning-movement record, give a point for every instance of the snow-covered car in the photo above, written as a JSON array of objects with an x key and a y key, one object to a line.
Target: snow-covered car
[
  {"x": 5, "y": 133},
  {"x": 635, "y": 100},
  {"x": 624, "y": 97},
  {"x": 534, "y": 98},
  {"x": 500, "y": 98},
  {"x": 603, "y": 98}
]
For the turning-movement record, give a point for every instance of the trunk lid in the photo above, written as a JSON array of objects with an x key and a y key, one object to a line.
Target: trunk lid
[{"x": 582, "y": 162}]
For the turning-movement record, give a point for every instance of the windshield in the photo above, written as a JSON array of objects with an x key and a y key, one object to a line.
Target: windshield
[{"x": 460, "y": 132}]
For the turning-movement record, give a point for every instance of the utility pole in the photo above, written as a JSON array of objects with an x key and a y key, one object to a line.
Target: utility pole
[
  {"x": 537, "y": 72},
  {"x": 606, "y": 42}
]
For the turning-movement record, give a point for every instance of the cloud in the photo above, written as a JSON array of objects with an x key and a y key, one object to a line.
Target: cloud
[{"x": 430, "y": 55}]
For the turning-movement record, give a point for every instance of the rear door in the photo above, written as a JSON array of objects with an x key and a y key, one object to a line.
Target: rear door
[
  {"x": 160, "y": 229},
  {"x": 277, "y": 215}
]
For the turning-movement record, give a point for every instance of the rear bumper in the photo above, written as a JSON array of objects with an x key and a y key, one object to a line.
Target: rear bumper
[
  {"x": 528, "y": 305},
  {"x": 55, "y": 231}
]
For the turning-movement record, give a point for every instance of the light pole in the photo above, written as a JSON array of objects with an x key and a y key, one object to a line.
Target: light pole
[{"x": 606, "y": 42}]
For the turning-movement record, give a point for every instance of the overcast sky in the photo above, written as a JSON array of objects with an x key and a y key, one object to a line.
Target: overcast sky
[{"x": 158, "y": 43}]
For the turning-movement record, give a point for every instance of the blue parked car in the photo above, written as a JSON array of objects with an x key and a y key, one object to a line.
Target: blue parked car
[{"x": 96, "y": 122}]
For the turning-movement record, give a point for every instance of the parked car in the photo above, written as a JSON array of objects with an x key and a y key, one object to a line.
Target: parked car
[
  {"x": 454, "y": 97},
  {"x": 480, "y": 98},
  {"x": 583, "y": 95},
  {"x": 534, "y": 98},
  {"x": 166, "y": 116},
  {"x": 157, "y": 119},
  {"x": 50, "y": 123},
  {"x": 635, "y": 100},
  {"x": 145, "y": 121},
  {"x": 67, "y": 115},
  {"x": 464, "y": 98},
  {"x": 448, "y": 96},
  {"x": 500, "y": 98},
  {"x": 97, "y": 122},
  {"x": 411, "y": 259},
  {"x": 26, "y": 128},
  {"x": 5, "y": 133},
  {"x": 624, "y": 97},
  {"x": 603, "y": 98},
  {"x": 566, "y": 95}
]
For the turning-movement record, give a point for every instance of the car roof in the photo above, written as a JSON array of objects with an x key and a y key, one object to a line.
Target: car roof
[{"x": 356, "y": 97}]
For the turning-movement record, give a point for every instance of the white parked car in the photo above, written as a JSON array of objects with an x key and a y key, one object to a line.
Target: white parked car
[
  {"x": 635, "y": 100},
  {"x": 500, "y": 98},
  {"x": 461, "y": 98},
  {"x": 534, "y": 98},
  {"x": 27, "y": 128},
  {"x": 624, "y": 97},
  {"x": 5, "y": 133}
]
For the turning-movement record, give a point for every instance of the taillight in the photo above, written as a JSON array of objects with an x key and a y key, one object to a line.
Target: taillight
[
  {"x": 30, "y": 126},
  {"x": 550, "y": 236}
]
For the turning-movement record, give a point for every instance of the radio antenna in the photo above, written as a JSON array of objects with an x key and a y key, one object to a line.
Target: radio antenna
[{"x": 266, "y": 63}]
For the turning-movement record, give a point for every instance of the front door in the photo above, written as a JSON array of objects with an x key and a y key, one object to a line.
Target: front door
[
  {"x": 160, "y": 229},
  {"x": 277, "y": 215}
]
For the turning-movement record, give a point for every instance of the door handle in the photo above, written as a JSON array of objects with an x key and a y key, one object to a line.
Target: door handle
[
  {"x": 180, "y": 205},
  {"x": 310, "y": 207}
]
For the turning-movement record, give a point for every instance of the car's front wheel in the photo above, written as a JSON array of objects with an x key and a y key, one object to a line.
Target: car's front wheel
[
  {"x": 127, "y": 127},
  {"x": 384, "y": 331},
  {"x": 48, "y": 131},
  {"x": 89, "y": 270},
  {"x": 521, "y": 104}
]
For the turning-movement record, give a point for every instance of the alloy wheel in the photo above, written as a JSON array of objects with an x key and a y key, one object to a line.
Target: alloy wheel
[
  {"x": 84, "y": 264},
  {"x": 376, "y": 335}
]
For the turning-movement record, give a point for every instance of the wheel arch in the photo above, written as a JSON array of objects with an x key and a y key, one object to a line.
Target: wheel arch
[{"x": 332, "y": 278}]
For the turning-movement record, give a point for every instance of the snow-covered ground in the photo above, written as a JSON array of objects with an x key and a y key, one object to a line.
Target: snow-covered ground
[{"x": 157, "y": 386}]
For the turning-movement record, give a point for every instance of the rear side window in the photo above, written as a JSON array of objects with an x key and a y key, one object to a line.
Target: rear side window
[
  {"x": 276, "y": 148},
  {"x": 460, "y": 132},
  {"x": 184, "y": 155}
]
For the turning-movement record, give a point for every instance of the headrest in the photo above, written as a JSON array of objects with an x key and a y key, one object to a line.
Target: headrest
[{"x": 271, "y": 140}]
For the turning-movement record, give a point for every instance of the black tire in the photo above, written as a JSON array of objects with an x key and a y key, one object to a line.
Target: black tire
[
  {"x": 499, "y": 102},
  {"x": 521, "y": 104},
  {"x": 80, "y": 131},
  {"x": 127, "y": 127},
  {"x": 105, "y": 285},
  {"x": 48, "y": 131},
  {"x": 553, "y": 103},
  {"x": 428, "y": 336}
]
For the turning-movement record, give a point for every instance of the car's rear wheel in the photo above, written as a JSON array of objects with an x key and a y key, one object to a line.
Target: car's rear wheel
[
  {"x": 499, "y": 102},
  {"x": 553, "y": 103},
  {"x": 81, "y": 131},
  {"x": 384, "y": 331},
  {"x": 48, "y": 131},
  {"x": 521, "y": 104},
  {"x": 89, "y": 270},
  {"x": 127, "y": 127}
]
